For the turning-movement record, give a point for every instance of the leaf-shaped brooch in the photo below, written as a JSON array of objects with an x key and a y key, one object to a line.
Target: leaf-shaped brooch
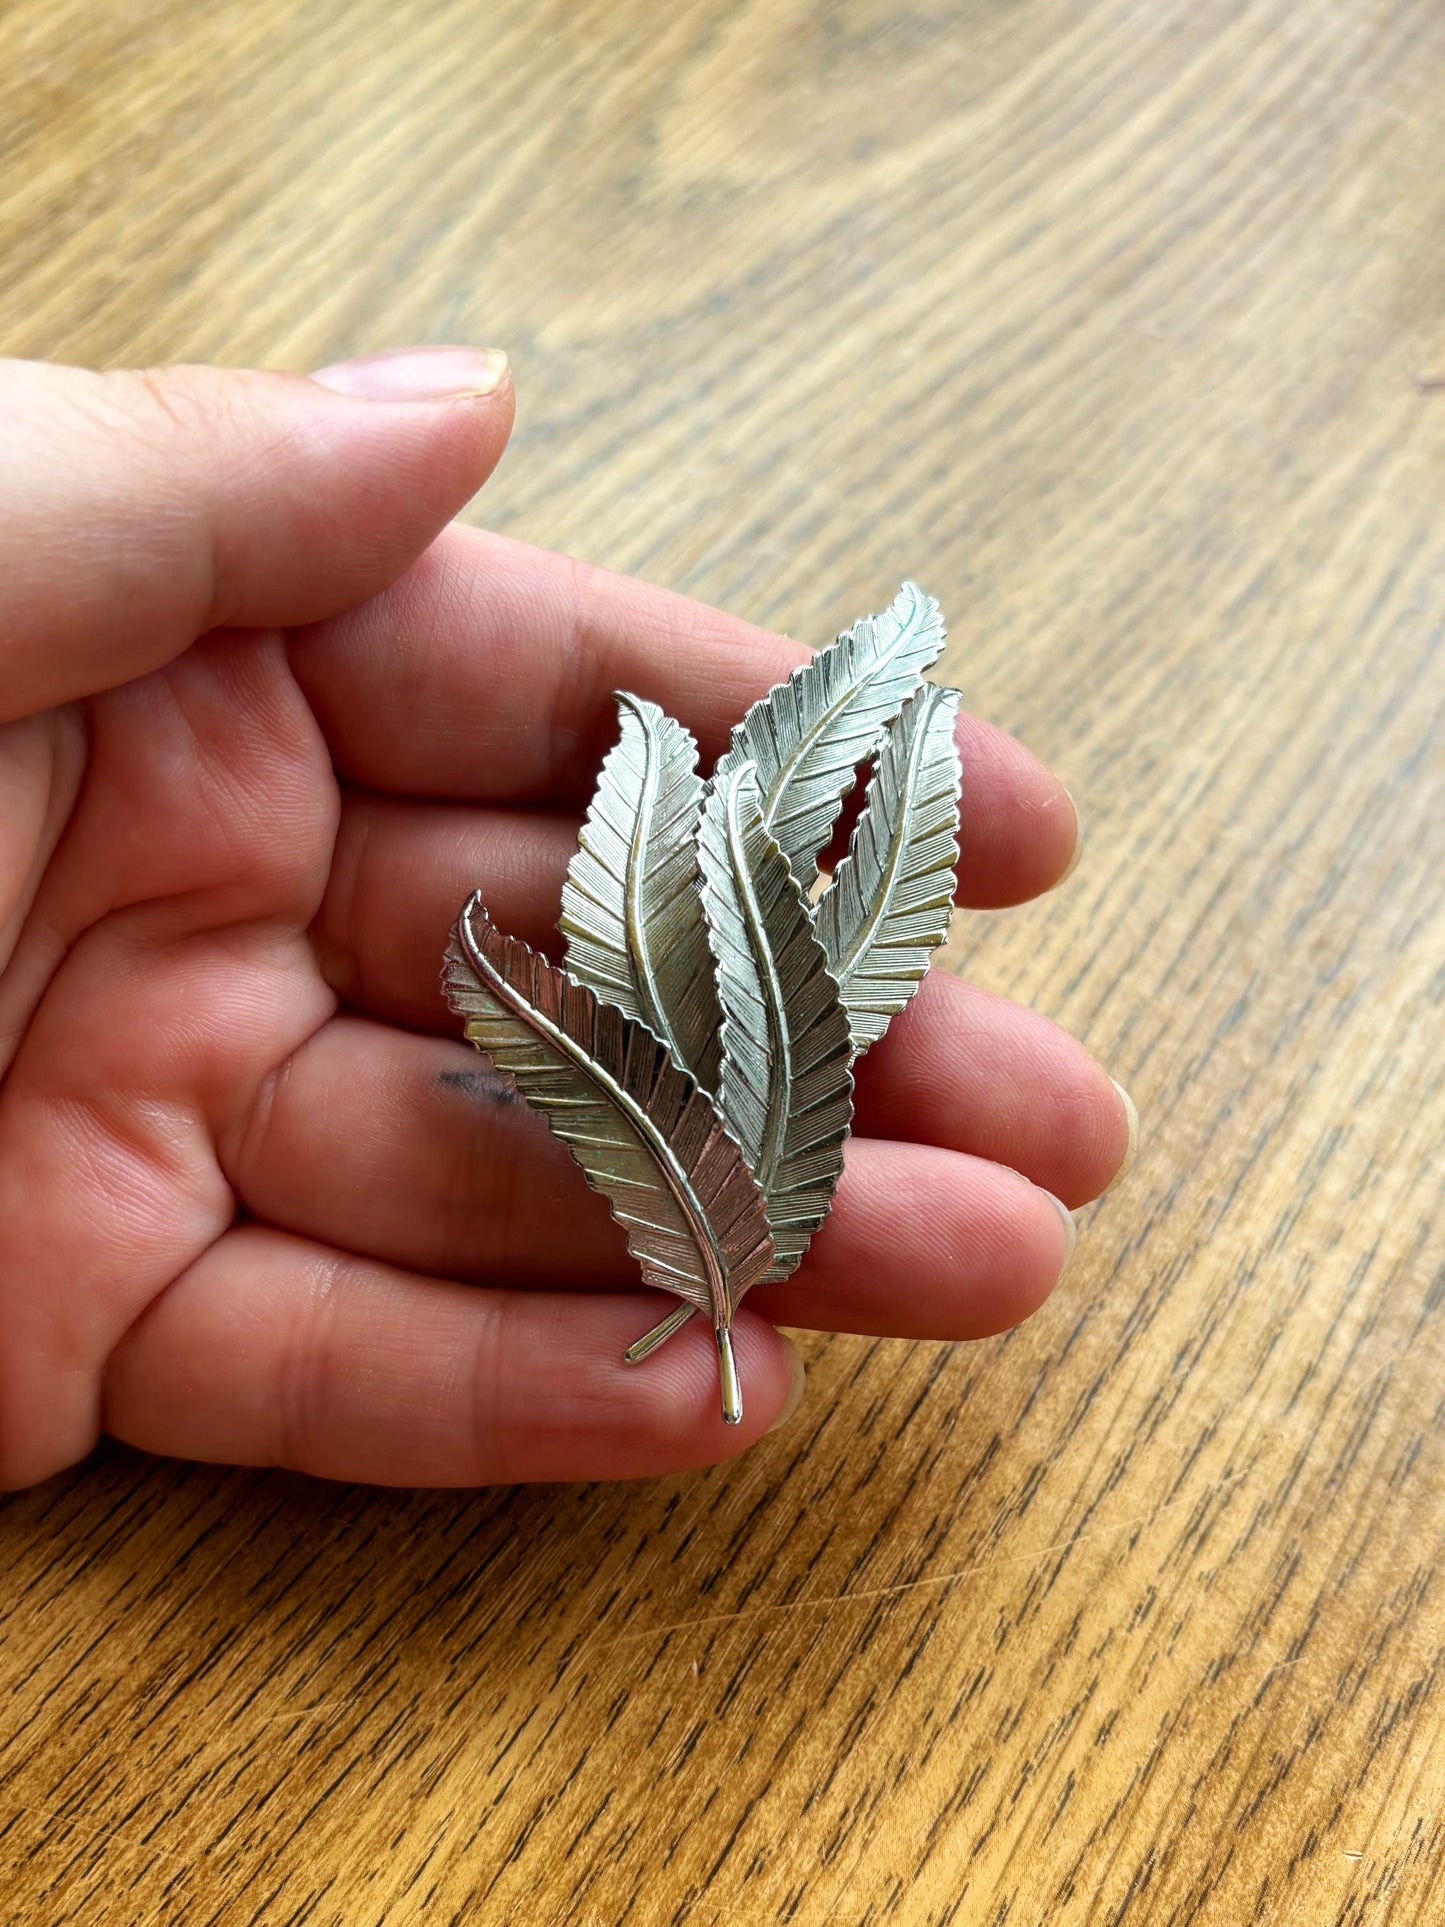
[{"x": 695, "y": 1052}]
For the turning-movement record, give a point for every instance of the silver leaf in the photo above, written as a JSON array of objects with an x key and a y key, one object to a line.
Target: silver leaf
[
  {"x": 630, "y": 908},
  {"x": 892, "y": 895},
  {"x": 785, "y": 1088},
  {"x": 642, "y": 1131},
  {"x": 808, "y": 736}
]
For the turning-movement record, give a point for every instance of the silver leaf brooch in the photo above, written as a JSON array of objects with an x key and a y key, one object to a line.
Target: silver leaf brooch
[{"x": 695, "y": 1051}]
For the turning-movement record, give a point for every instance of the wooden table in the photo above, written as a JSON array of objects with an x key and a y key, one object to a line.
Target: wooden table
[{"x": 1120, "y": 326}]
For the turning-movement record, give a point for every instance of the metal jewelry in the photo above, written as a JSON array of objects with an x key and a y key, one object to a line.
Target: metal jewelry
[{"x": 695, "y": 1051}]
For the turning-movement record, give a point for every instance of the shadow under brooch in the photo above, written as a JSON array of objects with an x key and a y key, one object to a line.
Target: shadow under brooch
[{"x": 695, "y": 1051}]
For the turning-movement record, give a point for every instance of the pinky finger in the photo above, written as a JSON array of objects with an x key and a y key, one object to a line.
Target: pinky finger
[{"x": 271, "y": 1350}]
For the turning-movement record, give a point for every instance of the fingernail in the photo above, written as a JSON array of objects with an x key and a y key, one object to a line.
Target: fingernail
[
  {"x": 795, "y": 1394},
  {"x": 1071, "y": 1230},
  {"x": 1078, "y": 841},
  {"x": 417, "y": 374},
  {"x": 1131, "y": 1149}
]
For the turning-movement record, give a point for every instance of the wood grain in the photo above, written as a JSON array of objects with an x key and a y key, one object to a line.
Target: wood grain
[{"x": 1120, "y": 327}]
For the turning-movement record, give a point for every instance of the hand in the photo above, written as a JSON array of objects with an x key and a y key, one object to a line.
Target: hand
[{"x": 264, "y": 723}]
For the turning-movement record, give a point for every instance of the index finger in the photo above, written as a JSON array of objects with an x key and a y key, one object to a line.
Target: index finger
[{"x": 487, "y": 675}]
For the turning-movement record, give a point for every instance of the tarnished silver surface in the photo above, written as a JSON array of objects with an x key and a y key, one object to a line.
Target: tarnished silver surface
[{"x": 694, "y": 1056}]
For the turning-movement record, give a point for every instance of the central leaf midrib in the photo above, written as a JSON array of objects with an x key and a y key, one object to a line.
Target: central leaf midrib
[
  {"x": 633, "y": 889},
  {"x": 780, "y": 1086},
  {"x": 808, "y": 739}
]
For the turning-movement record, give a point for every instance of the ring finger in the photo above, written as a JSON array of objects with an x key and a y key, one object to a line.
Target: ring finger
[{"x": 411, "y": 1150}]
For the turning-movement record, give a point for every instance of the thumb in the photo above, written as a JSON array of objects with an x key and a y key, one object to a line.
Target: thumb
[{"x": 144, "y": 509}]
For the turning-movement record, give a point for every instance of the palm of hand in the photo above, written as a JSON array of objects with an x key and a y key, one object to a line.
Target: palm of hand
[{"x": 256, "y": 1202}]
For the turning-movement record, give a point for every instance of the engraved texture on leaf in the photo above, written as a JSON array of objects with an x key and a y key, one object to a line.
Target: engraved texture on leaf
[
  {"x": 808, "y": 736},
  {"x": 644, "y": 1134},
  {"x": 630, "y": 907},
  {"x": 891, "y": 897},
  {"x": 785, "y": 1087}
]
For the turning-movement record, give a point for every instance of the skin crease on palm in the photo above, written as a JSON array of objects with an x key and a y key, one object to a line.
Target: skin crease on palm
[{"x": 265, "y": 720}]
